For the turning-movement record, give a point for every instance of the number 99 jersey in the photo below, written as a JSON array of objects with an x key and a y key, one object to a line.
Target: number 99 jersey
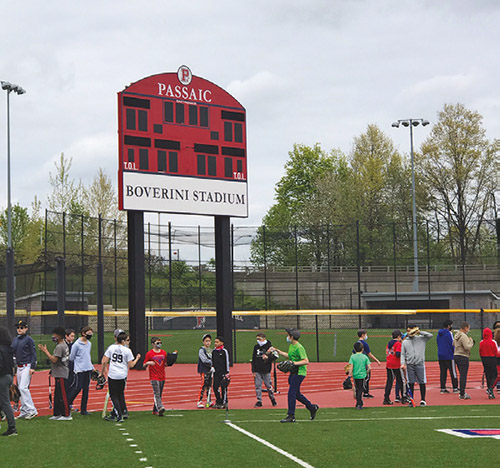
[{"x": 119, "y": 357}]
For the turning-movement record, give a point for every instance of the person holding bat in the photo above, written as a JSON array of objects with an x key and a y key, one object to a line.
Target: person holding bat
[
  {"x": 204, "y": 369},
  {"x": 116, "y": 362}
]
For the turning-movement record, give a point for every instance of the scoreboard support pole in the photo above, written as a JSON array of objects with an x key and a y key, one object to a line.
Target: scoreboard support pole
[
  {"x": 136, "y": 283},
  {"x": 224, "y": 282}
]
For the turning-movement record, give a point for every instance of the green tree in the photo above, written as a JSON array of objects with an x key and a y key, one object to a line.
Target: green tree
[
  {"x": 284, "y": 222},
  {"x": 26, "y": 234},
  {"x": 66, "y": 195},
  {"x": 458, "y": 166},
  {"x": 100, "y": 197},
  {"x": 19, "y": 225},
  {"x": 381, "y": 193}
]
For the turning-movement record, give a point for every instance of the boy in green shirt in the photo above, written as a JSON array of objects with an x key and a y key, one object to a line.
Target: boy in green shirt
[
  {"x": 359, "y": 367},
  {"x": 297, "y": 354}
]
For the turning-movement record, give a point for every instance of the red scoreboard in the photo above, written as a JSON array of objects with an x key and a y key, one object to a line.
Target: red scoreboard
[{"x": 182, "y": 147}]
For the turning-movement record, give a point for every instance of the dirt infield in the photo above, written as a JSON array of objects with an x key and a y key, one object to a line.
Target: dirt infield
[{"x": 323, "y": 386}]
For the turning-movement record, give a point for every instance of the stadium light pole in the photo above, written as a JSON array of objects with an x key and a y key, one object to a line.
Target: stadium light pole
[
  {"x": 413, "y": 123},
  {"x": 9, "y": 254}
]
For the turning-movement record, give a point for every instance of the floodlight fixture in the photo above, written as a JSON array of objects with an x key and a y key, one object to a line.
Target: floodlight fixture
[
  {"x": 413, "y": 123},
  {"x": 9, "y": 253}
]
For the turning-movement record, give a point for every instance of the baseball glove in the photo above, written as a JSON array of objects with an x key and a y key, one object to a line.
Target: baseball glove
[
  {"x": 272, "y": 355},
  {"x": 14, "y": 393},
  {"x": 287, "y": 366},
  {"x": 94, "y": 375},
  {"x": 171, "y": 358},
  {"x": 347, "y": 368},
  {"x": 100, "y": 382}
]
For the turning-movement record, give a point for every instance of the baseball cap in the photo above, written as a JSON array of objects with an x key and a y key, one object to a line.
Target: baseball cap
[
  {"x": 21, "y": 323},
  {"x": 293, "y": 332},
  {"x": 118, "y": 331}
]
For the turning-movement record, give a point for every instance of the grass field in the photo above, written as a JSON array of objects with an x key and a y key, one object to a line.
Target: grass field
[
  {"x": 374, "y": 437},
  {"x": 334, "y": 345}
]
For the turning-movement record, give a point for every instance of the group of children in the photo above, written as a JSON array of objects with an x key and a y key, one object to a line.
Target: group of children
[
  {"x": 213, "y": 367},
  {"x": 71, "y": 368},
  {"x": 405, "y": 362}
]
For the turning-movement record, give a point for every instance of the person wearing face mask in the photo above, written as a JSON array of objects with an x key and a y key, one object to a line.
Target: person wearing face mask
[
  {"x": 297, "y": 354},
  {"x": 81, "y": 360},
  {"x": 155, "y": 361},
  {"x": 59, "y": 360},
  {"x": 362, "y": 337},
  {"x": 261, "y": 368}
]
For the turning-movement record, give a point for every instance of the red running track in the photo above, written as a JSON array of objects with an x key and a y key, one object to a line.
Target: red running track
[{"x": 323, "y": 386}]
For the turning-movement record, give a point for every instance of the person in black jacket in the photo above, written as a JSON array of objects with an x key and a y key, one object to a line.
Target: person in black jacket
[
  {"x": 261, "y": 368},
  {"x": 220, "y": 363},
  {"x": 25, "y": 355},
  {"x": 6, "y": 378}
]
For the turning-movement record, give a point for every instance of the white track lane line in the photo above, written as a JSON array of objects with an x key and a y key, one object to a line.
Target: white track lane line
[{"x": 271, "y": 446}]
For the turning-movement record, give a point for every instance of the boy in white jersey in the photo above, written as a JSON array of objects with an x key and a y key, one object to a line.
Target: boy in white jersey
[{"x": 119, "y": 359}]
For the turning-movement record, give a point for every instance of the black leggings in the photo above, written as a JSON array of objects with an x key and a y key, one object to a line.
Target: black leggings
[{"x": 117, "y": 395}]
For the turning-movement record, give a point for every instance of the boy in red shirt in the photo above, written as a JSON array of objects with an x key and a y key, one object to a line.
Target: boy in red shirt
[
  {"x": 488, "y": 352},
  {"x": 155, "y": 361},
  {"x": 393, "y": 366}
]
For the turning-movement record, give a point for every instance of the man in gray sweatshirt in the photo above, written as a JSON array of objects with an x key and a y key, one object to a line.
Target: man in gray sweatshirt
[{"x": 413, "y": 359}]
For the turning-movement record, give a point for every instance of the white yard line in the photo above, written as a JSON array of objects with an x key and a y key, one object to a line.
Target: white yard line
[
  {"x": 142, "y": 458},
  {"x": 271, "y": 446},
  {"x": 318, "y": 420}
]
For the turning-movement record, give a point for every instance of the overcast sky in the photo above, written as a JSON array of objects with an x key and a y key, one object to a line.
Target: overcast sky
[{"x": 306, "y": 72}]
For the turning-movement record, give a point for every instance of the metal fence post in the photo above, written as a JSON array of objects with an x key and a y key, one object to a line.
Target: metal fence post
[{"x": 61, "y": 291}]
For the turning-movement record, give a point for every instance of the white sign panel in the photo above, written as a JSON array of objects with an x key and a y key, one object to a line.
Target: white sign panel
[{"x": 188, "y": 195}]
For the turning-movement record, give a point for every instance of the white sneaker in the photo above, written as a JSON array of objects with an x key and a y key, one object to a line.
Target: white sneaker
[
  {"x": 65, "y": 418},
  {"x": 54, "y": 418},
  {"x": 200, "y": 404},
  {"x": 31, "y": 415},
  {"x": 20, "y": 416},
  {"x": 423, "y": 403}
]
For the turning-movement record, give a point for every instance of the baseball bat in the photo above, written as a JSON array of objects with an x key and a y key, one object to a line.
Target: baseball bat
[{"x": 105, "y": 408}]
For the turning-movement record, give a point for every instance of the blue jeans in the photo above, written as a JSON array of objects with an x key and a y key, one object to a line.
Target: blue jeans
[{"x": 294, "y": 395}]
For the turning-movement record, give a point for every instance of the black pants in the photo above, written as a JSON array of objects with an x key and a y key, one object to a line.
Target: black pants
[
  {"x": 61, "y": 404},
  {"x": 490, "y": 370},
  {"x": 5, "y": 383},
  {"x": 445, "y": 366},
  {"x": 391, "y": 375},
  {"x": 219, "y": 392},
  {"x": 366, "y": 385},
  {"x": 462, "y": 363},
  {"x": 81, "y": 384},
  {"x": 117, "y": 395},
  {"x": 359, "y": 385}
]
